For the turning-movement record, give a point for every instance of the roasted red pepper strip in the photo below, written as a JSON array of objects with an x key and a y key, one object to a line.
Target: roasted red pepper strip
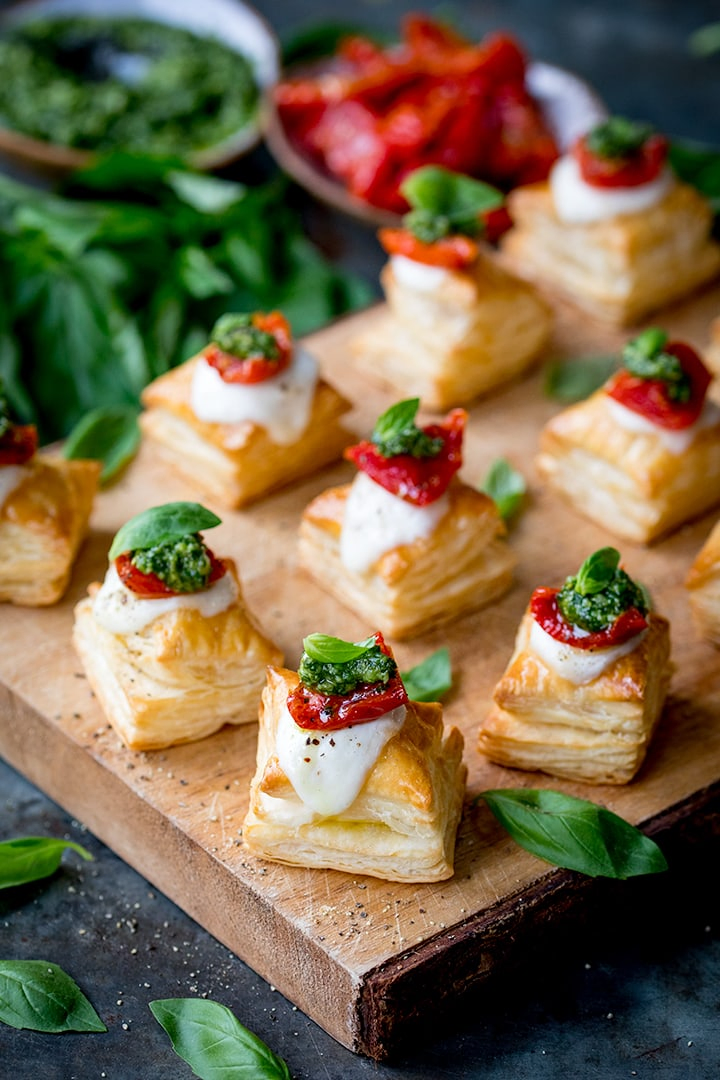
[
  {"x": 631, "y": 171},
  {"x": 545, "y": 611},
  {"x": 18, "y": 444},
  {"x": 417, "y": 480},
  {"x": 254, "y": 369},
  {"x": 452, "y": 252},
  {"x": 329, "y": 712},
  {"x": 649, "y": 397},
  {"x": 150, "y": 586}
]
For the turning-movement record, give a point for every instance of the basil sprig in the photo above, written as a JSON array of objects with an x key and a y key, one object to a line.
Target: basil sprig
[
  {"x": 209, "y": 1037},
  {"x": 445, "y": 202},
  {"x": 333, "y": 650},
  {"x": 430, "y": 679},
  {"x": 160, "y": 524},
  {"x": 109, "y": 434},
  {"x": 30, "y": 858},
  {"x": 235, "y": 333},
  {"x": 573, "y": 380},
  {"x": 574, "y": 833},
  {"x": 645, "y": 357},
  {"x": 396, "y": 432},
  {"x": 617, "y": 137},
  {"x": 40, "y": 996},
  {"x": 505, "y": 486},
  {"x": 597, "y": 571}
]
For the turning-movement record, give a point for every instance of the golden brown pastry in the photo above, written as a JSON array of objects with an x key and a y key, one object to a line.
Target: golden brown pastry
[
  {"x": 45, "y": 505},
  {"x": 614, "y": 458},
  {"x": 703, "y": 583},
  {"x": 401, "y": 566},
  {"x": 236, "y": 441},
  {"x": 382, "y": 797},
  {"x": 712, "y": 354},
  {"x": 552, "y": 713},
  {"x": 171, "y": 667},
  {"x": 618, "y": 252}
]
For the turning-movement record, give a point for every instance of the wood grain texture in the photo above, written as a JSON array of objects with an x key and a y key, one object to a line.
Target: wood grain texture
[{"x": 363, "y": 957}]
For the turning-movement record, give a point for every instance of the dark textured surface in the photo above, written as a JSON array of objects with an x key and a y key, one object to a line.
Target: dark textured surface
[{"x": 634, "y": 990}]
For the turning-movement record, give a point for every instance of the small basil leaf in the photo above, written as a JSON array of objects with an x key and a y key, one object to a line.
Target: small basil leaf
[
  {"x": 206, "y": 194},
  {"x": 110, "y": 434},
  {"x": 214, "y": 1043},
  {"x": 395, "y": 420},
  {"x": 30, "y": 858},
  {"x": 160, "y": 524},
  {"x": 452, "y": 195},
  {"x": 575, "y": 834},
  {"x": 430, "y": 679},
  {"x": 332, "y": 650},
  {"x": 40, "y": 996},
  {"x": 505, "y": 486},
  {"x": 569, "y": 381},
  {"x": 597, "y": 571},
  {"x": 705, "y": 40},
  {"x": 200, "y": 276}
]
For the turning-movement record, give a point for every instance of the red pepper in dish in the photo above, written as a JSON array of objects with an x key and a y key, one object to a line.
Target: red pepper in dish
[
  {"x": 666, "y": 382},
  {"x": 249, "y": 348}
]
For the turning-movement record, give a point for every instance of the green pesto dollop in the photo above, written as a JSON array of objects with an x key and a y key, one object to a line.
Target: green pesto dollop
[
  {"x": 373, "y": 666},
  {"x": 397, "y": 433},
  {"x": 184, "y": 565},
  {"x": 122, "y": 84},
  {"x": 617, "y": 137},
  {"x": 600, "y": 593},
  {"x": 235, "y": 334},
  {"x": 645, "y": 357}
]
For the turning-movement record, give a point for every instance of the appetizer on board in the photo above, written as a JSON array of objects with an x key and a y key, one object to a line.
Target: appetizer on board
[
  {"x": 703, "y": 583},
  {"x": 167, "y": 643},
  {"x": 612, "y": 228},
  {"x": 457, "y": 325},
  {"x": 642, "y": 454},
  {"x": 351, "y": 775},
  {"x": 248, "y": 414},
  {"x": 45, "y": 505},
  {"x": 407, "y": 545},
  {"x": 585, "y": 686}
]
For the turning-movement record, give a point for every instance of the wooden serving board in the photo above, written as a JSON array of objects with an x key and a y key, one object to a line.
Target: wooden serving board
[{"x": 364, "y": 958}]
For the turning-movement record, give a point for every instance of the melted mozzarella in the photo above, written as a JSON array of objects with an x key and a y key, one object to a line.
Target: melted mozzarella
[
  {"x": 416, "y": 275},
  {"x": 121, "y": 611},
  {"x": 11, "y": 476},
  {"x": 580, "y": 203},
  {"x": 578, "y": 666},
  {"x": 281, "y": 404},
  {"x": 327, "y": 769},
  {"x": 676, "y": 442},
  {"x": 377, "y": 521}
]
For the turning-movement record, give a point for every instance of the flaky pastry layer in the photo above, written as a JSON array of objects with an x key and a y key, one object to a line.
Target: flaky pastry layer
[{"x": 703, "y": 584}]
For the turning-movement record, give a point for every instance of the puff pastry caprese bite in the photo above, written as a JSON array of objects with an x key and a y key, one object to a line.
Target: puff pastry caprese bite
[
  {"x": 642, "y": 454},
  {"x": 351, "y": 775},
  {"x": 703, "y": 584},
  {"x": 248, "y": 414},
  {"x": 457, "y": 324},
  {"x": 585, "y": 686},
  {"x": 167, "y": 643},
  {"x": 612, "y": 228},
  {"x": 45, "y": 505},
  {"x": 407, "y": 545}
]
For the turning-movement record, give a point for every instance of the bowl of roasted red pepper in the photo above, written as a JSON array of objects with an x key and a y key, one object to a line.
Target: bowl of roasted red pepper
[{"x": 351, "y": 126}]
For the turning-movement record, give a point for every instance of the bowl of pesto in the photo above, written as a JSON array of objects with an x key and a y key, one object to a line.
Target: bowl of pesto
[{"x": 161, "y": 77}]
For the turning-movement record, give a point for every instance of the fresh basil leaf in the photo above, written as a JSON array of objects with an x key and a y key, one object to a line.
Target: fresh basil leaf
[
  {"x": 430, "y": 679},
  {"x": 205, "y": 193},
  {"x": 160, "y": 524},
  {"x": 505, "y": 486},
  {"x": 214, "y": 1043},
  {"x": 110, "y": 434},
  {"x": 395, "y": 420},
  {"x": 40, "y": 996},
  {"x": 332, "y": 650},
  {"x": 200, "y": 276},
  {"x": 448, "y": 194},
  {"x": 705, "y": 40},
  {"x": 30, "y": 858},
  {"x": 597, "y": 571},
  {"x": 700, "y": 166},
  {"x": 569, "y": 381},
  {"x": 574, "y": 833}
]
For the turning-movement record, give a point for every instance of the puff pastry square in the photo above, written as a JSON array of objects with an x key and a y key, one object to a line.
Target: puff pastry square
[
  {"x": 620, "y": 269},
  {"x": 703, "y": 583},
  {"x": 402, "y": 824},
  {"x": 236, "y": 464},
  {"x": 43, "y": 522},
  {"x": 628, "y": 482},
  {"x": 598, "y": 732},
  {"x": 462, "y": 566},
  {"x": 180, "y": 678},
  {"x": 477, "y": 330}
]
